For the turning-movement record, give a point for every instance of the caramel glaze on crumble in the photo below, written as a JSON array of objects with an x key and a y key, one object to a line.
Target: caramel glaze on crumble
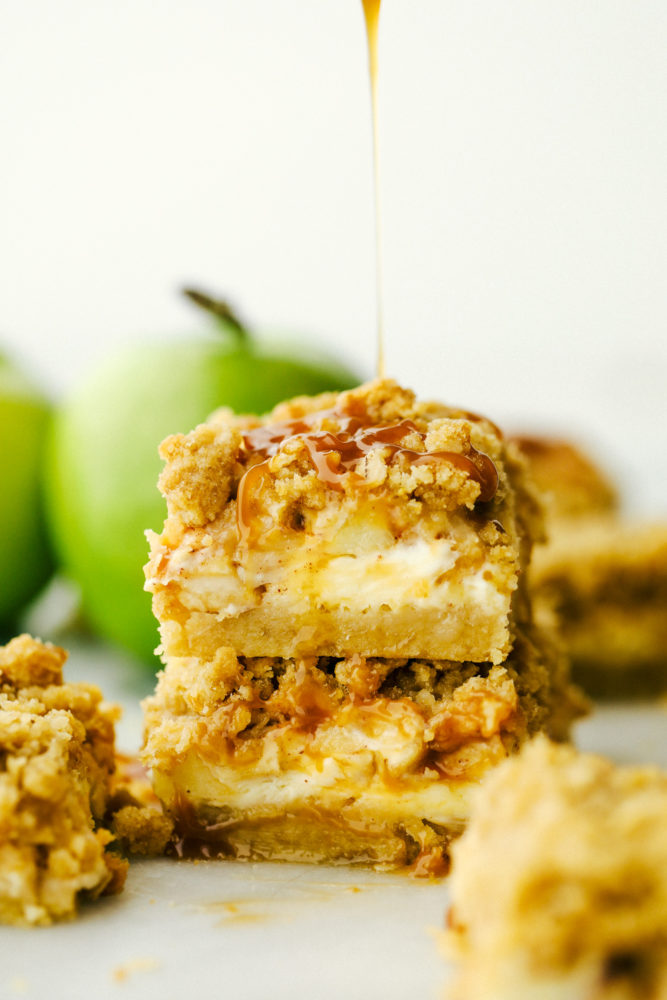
[
  {"x": 436, "y": 456},
  {"x": 232, "y": 700}
]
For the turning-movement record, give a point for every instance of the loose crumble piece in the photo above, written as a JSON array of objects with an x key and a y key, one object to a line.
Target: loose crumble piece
[
  {"x": 346, "y": 629},
  {"x": 559, "y": 884},
  {"x": 58, "y": 783}
]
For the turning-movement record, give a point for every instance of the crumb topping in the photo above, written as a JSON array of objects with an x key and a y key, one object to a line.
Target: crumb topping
[
  {"x": 377, "y": 436},
  {"x": 198, "y": 476}
]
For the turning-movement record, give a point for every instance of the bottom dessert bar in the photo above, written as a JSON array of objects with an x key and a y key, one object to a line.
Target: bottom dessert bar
[
  {"x": 601, "y": 577},
  {"x": 605, "y": 580},
  {"x": 351, "y": 760}
]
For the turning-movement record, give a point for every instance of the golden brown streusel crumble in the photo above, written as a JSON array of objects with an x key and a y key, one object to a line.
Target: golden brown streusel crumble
[
  {"x": 58, "y": 779},
  {"x": 57, "y": 757},
  {"x": 560, "y": 882}
]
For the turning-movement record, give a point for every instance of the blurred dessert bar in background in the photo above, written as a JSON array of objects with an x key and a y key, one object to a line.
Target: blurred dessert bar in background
[
  {"x": 602, "y": 575},
  {"x": 559, "y": 884},
  {"x": 569, "y": 481},
  {"x": 345, "y": 627},
  {"x": 606, "y": 581}
]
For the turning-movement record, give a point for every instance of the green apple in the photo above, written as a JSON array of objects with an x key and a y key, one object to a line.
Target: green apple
[
  {"x": 103, "y": 458},
  {"x": 25, "y": 555}
]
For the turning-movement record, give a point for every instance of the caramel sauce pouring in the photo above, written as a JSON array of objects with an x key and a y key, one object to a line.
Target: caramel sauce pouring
[
  {"x": 372, "y": 19},
  {"x": 335, "y": 454}
]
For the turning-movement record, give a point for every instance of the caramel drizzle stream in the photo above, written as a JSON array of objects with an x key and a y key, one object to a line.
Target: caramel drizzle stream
[
  {"x": 334, "y": 455},
  {"x": 372, "y": 18}
]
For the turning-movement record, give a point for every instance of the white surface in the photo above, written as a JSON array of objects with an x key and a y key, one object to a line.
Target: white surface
[
  {"x": 523, "y": 151},
  {"x": 258, "y": 931},
  {"x": 247, "y": 932}
]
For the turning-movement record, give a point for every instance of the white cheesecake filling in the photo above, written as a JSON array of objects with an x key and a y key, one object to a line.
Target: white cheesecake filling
[
  {"x": 421, "y": 574},
  {"x": 369, "y": 761},
  {"x": 328, "y": 788}
]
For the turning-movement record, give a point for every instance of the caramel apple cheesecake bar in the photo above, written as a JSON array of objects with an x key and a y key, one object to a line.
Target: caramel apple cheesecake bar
[
  {"x": 345, "y": 628},
  {"x": 559, "y": 884},
  {"x": 571, "y": 483},
  {"x": 605, "y": 582},
  {"x": 601, "y": 576}
]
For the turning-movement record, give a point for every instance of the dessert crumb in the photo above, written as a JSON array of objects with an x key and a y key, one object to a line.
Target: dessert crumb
[
  {"x": 18, "y": 986},
  {"x": 123, "y": 972}
]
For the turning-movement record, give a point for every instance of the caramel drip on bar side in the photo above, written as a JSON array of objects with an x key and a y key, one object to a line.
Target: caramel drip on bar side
[
  {"x": 336, "y": 454},
  {"x": 193, "y": 837},
  {"x": 372, "y": 18}
]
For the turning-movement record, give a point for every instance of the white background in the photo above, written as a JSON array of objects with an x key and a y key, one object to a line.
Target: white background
[{"x": 145, "y": 144}]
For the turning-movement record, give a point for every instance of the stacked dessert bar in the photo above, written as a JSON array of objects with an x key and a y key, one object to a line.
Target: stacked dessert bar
[
  {"x": 602, "y": 575},
  {"x": 345, "y": 627}
]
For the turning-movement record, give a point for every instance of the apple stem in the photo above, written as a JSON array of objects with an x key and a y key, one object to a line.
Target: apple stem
[{"x": 221, "y": 310}]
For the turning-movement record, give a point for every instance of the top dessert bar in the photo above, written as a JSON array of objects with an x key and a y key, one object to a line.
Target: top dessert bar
[
  {"x": 570, "y": 483},
  {"x": 365, "y": 522}
]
